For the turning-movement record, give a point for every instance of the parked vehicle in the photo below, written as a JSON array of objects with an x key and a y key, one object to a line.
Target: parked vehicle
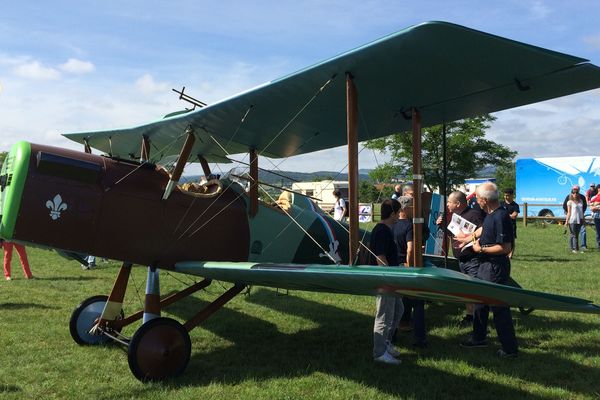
[{"x": 544, "y": 183}]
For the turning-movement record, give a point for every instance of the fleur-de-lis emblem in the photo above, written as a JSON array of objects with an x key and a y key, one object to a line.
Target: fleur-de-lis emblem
[
  {"x": 56, "y": 206},
  {"x": 333, "y": 252}
]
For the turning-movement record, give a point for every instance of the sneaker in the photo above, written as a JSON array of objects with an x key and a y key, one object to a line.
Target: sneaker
[
  {"x": 583, "y": 248},
  {"x": 502, "y": 354},
  {"x": 470, "y": 343},
  {"x": 392, "y": 351},
  {"x": 84, "y": 267},
  {"x": 574, "y": 251},
  {"x": 387, "y": 358},
  {"x": 8, "y": 278}
]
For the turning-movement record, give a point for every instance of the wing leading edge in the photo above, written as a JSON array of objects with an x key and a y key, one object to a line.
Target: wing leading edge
[
  {"x": 447, "y": 71},
  {"x": 427, "y": 283}
]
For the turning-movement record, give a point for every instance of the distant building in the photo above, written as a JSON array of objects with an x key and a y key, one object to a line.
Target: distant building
[{"x": 322, "y": 190}]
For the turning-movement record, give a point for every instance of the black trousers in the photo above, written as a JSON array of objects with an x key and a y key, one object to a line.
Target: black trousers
[{"x": 497, "y": 270}]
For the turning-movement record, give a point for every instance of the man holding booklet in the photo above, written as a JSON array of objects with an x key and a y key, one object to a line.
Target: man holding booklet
[{"x": 463, "y": 220}]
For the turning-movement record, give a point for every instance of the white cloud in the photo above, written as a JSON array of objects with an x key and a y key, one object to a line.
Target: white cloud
[
  {"x": 539, "y": 10},
  {"x": 592, "y": 41},
  {"x": 35, "y": 70},
  {"x": 146, "y": 84},
  {"x": 75, "y": 66}
]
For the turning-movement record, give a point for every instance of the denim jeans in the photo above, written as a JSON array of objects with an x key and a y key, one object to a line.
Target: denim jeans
[
  {"x": 597, "y": 224},
  {"x": 574, "y": 236},
  {"x": 582, "y": 236}
]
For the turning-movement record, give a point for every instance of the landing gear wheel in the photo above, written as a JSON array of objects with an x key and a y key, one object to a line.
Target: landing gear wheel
[
  {"x": 160, "y": 349},
  {"x": 83, "y": 319}
]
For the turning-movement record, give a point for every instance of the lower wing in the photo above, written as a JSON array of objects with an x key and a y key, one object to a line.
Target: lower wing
[{"x": 426, "y": 283}]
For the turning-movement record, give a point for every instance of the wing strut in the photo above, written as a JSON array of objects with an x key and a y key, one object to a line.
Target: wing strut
[
  {"x": 145, "y": 149},
  {"x": 352, "y": 131},
  {"x": 253, "y": 193},
  {"x": 86, "y": 146},
  {"x": 181, "y": 161},
  {"x": 205, "y": 166},
  {"x": 417, "y": 189}
]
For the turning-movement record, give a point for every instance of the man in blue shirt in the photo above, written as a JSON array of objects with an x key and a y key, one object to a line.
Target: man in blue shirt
[{"x": 493, "y": 244}]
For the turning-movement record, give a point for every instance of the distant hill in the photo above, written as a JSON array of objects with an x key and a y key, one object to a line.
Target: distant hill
[{"x": 293, "y": 176}]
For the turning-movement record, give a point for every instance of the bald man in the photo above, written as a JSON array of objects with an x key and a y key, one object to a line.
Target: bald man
[{"x": 493, "y": 244}]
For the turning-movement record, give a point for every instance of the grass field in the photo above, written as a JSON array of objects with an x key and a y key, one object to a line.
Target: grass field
[{"x": 272, "y": 345}]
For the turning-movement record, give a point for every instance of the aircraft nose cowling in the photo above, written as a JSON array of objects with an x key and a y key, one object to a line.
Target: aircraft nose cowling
[{"x": 12, "y": 181}]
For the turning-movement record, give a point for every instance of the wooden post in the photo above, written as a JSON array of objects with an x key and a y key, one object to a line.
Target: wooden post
[
  {"x": 524, "y": 214},
  {"x": 352, "y": 132},
  {"x": 418, "y": 189},
  {"x": 253, "y": 183}
]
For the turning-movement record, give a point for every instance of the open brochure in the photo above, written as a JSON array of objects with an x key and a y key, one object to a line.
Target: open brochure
[{"x": 458, "y": 225}]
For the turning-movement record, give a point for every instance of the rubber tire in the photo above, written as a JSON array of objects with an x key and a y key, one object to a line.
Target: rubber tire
[
  {"x": 83, "y": 318},
  {"x": 548, "y": 213},
  {"x": 159, "y": 350}
]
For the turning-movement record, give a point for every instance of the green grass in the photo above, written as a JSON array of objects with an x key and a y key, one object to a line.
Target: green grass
[{"x": 268, "y": 345}]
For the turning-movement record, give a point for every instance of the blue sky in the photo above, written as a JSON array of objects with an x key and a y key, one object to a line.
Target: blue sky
[{"x": 68, "y": 66}]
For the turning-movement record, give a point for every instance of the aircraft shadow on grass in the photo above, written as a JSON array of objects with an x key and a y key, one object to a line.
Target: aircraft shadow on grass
[
  {"x": 23, "y": 306},
  {"x": 341, "y": 345},
  {"x": 6, "y": 388},
  {"x": 543, "y": 258}
]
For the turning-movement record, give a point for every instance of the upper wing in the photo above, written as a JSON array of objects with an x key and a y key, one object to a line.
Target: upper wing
[
  {"x": 447, "y": 71},
  {"x": 427, "y": 283}
]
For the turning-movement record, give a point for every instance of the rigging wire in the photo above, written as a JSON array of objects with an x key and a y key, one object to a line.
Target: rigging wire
[
  {"x": 306, "y": 232},
  {"x": 146, "y": 162},
  {"x": 317, "y": 93}
]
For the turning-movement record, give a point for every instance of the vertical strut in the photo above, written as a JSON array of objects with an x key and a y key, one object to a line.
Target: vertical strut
[
  {"x": 113, "y": 306},
  {"x": 181, "y": 161},
  {"x": 205, "y": 166},
  {"x": 254, "y": 183},
  {"x": 145, "y": 149},
  {"x": 418, "y": 189},
  {"x": 86, "y": 146},
  {"x": 152, "y": 303},
  {"x": 352, "y": 132}
]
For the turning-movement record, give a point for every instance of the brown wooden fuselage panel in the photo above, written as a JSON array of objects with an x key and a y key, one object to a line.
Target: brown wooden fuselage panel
[{"x": 126, "y": 220}]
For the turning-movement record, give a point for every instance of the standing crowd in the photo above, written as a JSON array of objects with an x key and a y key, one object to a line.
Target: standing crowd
[{"x": 484, "y": 254}]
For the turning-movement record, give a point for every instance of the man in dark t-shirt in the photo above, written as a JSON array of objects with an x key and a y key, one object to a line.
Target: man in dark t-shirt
[
  {"x": 403, "y": 232},
  {"x": 388, "y": 307},
  {"x": 513, "y": 211},
  {"x": 493, "y": 246}
]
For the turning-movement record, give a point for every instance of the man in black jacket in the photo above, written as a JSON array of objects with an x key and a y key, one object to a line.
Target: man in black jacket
[
  {"x": 468, "y": 260},
  {"x": 582, "y": 235}
]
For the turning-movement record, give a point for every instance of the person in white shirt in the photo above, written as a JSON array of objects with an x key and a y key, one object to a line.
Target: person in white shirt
[
  {"x": 339, "y": 208},
  {"x": 574, "y": 218}
]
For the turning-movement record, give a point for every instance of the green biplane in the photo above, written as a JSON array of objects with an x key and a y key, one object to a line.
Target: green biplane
[{"x": 140, "y": 214}]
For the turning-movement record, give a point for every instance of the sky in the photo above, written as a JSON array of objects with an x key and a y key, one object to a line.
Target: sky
[{"x": 72, "y": 66}]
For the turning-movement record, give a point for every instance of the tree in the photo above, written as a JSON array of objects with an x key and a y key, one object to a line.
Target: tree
[
  {"x": 467, "y": 152},
  {"x": 3, "y": 155},
  {"x": 506, "y": 176}
]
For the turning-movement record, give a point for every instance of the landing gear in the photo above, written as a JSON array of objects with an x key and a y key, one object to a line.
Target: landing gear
[
  {"x": 84, "y": 317},
  {"x": 160, "y": 349}
]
